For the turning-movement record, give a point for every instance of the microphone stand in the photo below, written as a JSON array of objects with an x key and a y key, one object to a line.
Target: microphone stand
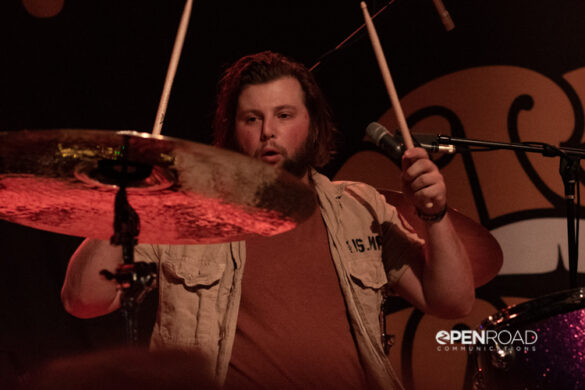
[{"x": 569, "y": 166}]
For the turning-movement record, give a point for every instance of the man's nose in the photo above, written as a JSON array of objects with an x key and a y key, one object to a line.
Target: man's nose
[{"x": 268, "y": 129}]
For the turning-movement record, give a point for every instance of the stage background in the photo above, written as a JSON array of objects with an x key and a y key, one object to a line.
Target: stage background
[{"x": 509, "y": 72}]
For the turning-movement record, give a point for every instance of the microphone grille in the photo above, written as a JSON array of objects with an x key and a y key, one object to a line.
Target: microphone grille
[{"x": 376, "y": 131}]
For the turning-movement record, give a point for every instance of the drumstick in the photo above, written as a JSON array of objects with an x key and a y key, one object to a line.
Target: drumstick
[
  {"x": 175, "y": 56},
  {"x": 387, "y": 78},
  {"x": 389, "y": 83}
]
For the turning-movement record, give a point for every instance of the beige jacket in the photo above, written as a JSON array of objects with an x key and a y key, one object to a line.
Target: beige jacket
[{"x": 200, "y": 285}]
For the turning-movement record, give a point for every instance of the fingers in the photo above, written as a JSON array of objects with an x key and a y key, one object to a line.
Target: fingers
[
  {"x": 412, "y": 155},
  {"x": 422, "y": 182}
]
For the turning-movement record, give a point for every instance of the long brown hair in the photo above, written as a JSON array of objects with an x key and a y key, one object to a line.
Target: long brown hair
[{"x": 262, "y": 68}]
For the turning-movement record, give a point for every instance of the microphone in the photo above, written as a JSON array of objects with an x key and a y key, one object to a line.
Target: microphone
[
  {"x": 379, "y": 136},
  {"x": 392, "y": 146}
]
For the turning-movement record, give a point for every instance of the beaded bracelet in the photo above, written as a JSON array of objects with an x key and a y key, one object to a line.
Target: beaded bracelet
[{"x": 432, "y": 217}]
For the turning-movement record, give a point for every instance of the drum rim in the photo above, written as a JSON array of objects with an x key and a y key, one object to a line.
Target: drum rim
[{"x": 537, "y": 308}]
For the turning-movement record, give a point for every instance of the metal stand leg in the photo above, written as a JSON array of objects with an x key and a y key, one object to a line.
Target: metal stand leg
[
  {"x": 568, "y": 171},
  {"x": 134, "y": 279}
]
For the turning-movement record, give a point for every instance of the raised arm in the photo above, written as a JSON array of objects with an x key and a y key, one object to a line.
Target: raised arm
[
  {"x": 442, "y": 282},
  {"x": 86, "y": 293}
]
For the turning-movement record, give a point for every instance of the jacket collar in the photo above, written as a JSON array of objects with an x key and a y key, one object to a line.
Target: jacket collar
[
  {"x": 329, "y": 195},
  {"x": 324, "y": 185}
]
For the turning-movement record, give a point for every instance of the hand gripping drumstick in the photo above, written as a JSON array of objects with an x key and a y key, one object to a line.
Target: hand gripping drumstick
[
  {"x": 175, "y": 56},
  {"x": 388, "y": 81}
]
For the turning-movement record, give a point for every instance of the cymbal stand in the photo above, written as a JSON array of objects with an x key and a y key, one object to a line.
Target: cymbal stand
[
  {"x": 568, "y": 169},
  {"x": 134, "y": 279}
]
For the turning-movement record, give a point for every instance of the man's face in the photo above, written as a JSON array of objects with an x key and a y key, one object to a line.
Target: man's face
[{"x": 272, "y": 124}]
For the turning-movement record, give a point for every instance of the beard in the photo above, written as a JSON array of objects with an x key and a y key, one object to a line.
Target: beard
[{"x": 299, "y": 163}]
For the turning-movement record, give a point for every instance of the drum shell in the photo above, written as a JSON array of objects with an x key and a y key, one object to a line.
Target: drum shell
[{"x": 555, "y": 360}]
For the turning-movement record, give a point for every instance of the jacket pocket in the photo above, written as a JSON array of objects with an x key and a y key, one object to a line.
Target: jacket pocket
[
  {"x": 194, "y": 272},
  {"x": 188, "y": 293}
]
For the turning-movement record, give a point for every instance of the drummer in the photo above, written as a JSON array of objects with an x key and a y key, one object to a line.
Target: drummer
[{"x": 300, "y": 309}]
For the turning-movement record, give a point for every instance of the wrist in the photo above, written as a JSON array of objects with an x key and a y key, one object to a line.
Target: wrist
[{"x": 432, "y": 217}]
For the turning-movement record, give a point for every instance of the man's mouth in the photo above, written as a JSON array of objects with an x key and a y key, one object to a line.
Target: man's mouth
[{"x": 270, "y": 155}]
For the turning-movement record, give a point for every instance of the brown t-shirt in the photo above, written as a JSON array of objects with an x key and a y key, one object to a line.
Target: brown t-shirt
[{"x": 293, "y": 329}]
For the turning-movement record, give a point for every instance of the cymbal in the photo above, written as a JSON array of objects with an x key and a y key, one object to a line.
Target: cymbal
[
  {"x": 483, "y": 249},
  {"x": 65, "y": 181}
]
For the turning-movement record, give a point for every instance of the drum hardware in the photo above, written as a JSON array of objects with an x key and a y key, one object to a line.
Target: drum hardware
[
  {"x": 134, "y": 279},
  {"x": 501, "y": 358},
  {"x": 569, "y": 170}
]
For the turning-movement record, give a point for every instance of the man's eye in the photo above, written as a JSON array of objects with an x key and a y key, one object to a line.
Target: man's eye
[
  {"x": 251, "y": 119},
  {"x": 284, "y": 115}
]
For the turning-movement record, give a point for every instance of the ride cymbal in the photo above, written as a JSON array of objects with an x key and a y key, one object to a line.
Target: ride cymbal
[{"x": 65, "y": 181}]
